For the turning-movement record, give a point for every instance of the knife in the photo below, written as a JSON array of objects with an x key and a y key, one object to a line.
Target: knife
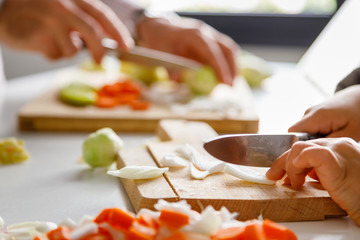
[
  {"x": 256, "y": 150},
  {"x": 150, "y": 57}
]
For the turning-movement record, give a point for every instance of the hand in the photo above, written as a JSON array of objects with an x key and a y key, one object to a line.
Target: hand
[
  {"x": 55, "y": 27},
  {"x": 336, "y": 164},
  {"x": 337, "y": 117},
  {"x": 193, "y": 39}
]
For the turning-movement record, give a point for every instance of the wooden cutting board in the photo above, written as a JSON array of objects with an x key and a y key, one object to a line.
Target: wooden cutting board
[
  {"x": 48, "y": 113},
  {"x": 276, "y": 202}
]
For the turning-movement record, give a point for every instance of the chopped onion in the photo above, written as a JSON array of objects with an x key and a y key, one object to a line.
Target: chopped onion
[
  {"x": 208, "y": 223},
  {"x": 84, "y": 230},
  {"x": 203, "y": 163},
  {"x": 196, "y": 173},
  {"x": 138, "y": 172},
  {"x": 183, "y": 151},
  {"x": 172, "y": 160},
  {"x": 247, "y": 174}
]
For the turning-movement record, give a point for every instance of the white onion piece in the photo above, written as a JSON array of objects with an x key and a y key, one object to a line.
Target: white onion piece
[
  {"x": 208, "y": 223},
  {"x": 68, "y": 222},
  {"x": 183, "y": 151},
  {"x": 247, "y": 174},
  {"x": 138, "y": 172},
  {"x": 203, "y": 163},
  {"x": 86, "y": 229},
  {"x": 172, "y": 160},
  {"x": 196, "y": 173}
]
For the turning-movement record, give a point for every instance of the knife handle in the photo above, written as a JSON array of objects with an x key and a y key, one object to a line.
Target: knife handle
[{"x": 306, "y": 136}]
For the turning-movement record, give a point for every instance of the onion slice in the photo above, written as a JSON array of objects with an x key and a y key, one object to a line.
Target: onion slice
[
  {"x": 172, "y": 160},
  {"x": 138, "y": 172},
  {"x": 247, "y": 174}
]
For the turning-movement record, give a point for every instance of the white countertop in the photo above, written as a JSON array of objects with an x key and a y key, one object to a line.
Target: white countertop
[{"x": 53, "y": 185}]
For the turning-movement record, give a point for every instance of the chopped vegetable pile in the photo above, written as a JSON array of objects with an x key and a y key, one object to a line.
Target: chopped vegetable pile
[
  {"x": 170, "y": 221},
  {"x": 12, "y": 150}
]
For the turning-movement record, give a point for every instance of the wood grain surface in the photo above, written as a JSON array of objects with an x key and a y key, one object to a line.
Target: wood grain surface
[{"x": 276, "y": 202}]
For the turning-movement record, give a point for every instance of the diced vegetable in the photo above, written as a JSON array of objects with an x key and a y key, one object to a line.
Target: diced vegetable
[
  {"x": 233, "y": 233},
  {"x": 12, "y": 150},
  {"x": 173, "y": 219},
  {"x": 276, "y": 231},
  {"x": 116, "y": 218},
  {"x": 101, "y": 147}
]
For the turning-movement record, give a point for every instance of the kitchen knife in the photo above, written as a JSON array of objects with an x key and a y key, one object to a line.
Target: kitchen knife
[
  {"x": 256, "y": 150},
  {"x": 151, "y": 57}
]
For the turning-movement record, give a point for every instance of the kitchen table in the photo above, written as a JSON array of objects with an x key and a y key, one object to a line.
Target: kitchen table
[{"x": 53, "y": 185}]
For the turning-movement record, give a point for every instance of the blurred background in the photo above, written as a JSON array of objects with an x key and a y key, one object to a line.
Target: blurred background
[{"x": 276, "y": 30}]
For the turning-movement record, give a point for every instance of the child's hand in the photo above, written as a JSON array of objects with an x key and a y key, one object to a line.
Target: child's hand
[{"x": 336, "y": 163}]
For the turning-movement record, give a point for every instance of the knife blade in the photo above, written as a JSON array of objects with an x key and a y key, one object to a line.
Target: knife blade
[
  {"x": 256, "y": 150},
  {"x": 151, "y": 57}
]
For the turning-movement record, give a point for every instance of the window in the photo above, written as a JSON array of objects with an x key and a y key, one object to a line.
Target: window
[{"x": 266, "y": 22}]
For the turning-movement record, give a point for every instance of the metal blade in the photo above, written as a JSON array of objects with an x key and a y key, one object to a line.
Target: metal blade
[
  {"x": 150, "y": 57},
  {"x": 250, "y": 149}
]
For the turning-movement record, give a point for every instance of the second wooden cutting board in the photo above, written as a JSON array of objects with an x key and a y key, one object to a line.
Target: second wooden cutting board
[{"x": 250, "y": 200}]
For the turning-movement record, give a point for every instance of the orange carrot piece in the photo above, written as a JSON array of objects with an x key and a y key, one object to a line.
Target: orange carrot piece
[
  {"x": 60, "y": 233},
  {"x": 101, "y": 235},
  {"x": 112, "y": 89},
  {"x": 126, "y": 98},
  {"x": 116, "y": 218},
  {"x": 130, "y": 87},
  {"x": 173, "y": 219},
  {"x": 147, "y": 220},
  {"x": 253, "y": 231},
  {"x": 140, "y": 232},
  {"x": 232, "y": 233},
  {"x": 106, "y": 102},
  {"x": 276, "y": 231},
  {"x": 139, "y": 105}
]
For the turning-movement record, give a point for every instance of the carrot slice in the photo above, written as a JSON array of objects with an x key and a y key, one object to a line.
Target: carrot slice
[
  {"x": 147, "y": 220},
  {"x": 173, "y": 219},
  {"x": 101, "y": 235},
  {"x": 116, "y": 218},
  {"x": 60, "y": 233},
  {"x": 254, "y": 231},
  {"x": 126, "y": 98},
  {"x": 232, "y": 233},
  {"x": 106, "y": 102},
  {"x": 139, "y": 105},
  {"x": 274, "y": 231},
  {"x": 140, "y": 232},
  {"x": 130, "y": 87}
]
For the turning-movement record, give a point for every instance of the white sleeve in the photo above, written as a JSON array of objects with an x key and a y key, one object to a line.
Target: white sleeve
[{"x": 126, "y": 10}]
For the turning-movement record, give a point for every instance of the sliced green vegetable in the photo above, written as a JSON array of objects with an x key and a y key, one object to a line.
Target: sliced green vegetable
[
  {"x": 101, "y": 147},
  {"x": 202, "y": 81},
  {"x": 78, "y": 94},
  {"x": 146, "y": 74}
]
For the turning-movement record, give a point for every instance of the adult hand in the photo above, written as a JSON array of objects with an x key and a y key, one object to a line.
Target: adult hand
[
  {"x": 193, "y": 39},
  {"x": 55, "y": 27},
  {"x": 337, "y": 117},
  {"x": 336, "y": 164}
]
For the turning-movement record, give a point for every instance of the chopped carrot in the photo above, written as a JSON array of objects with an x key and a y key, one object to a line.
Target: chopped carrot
[
  {"x": 274, "y": 231},
  {"x": 254, "y": 231},
  {"x": 60, "y": 233},
  {"x": 116, "y": 218},
  {"x": 126, "y": 98},
  {"x": 173, "y": 219},
  {"x": 147, "y": 220},
  {"x": 232, "y": 233},
  {"x": 112, "y": 89},
  {"x": 140, "y": 232},
  {"x": 130, "y": 87},
  {"x": 106, "y": 102},
  {"x": 176, "y": 236},
  {"x": 139, "y": 105}
]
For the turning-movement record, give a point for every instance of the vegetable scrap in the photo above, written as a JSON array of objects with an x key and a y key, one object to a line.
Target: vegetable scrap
[
  {"x": 138, "y": 172},
  {"x": 12, "y": 150},
  {"x": 169, "y": 221},
  {"x": 100, "y": 148}
]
